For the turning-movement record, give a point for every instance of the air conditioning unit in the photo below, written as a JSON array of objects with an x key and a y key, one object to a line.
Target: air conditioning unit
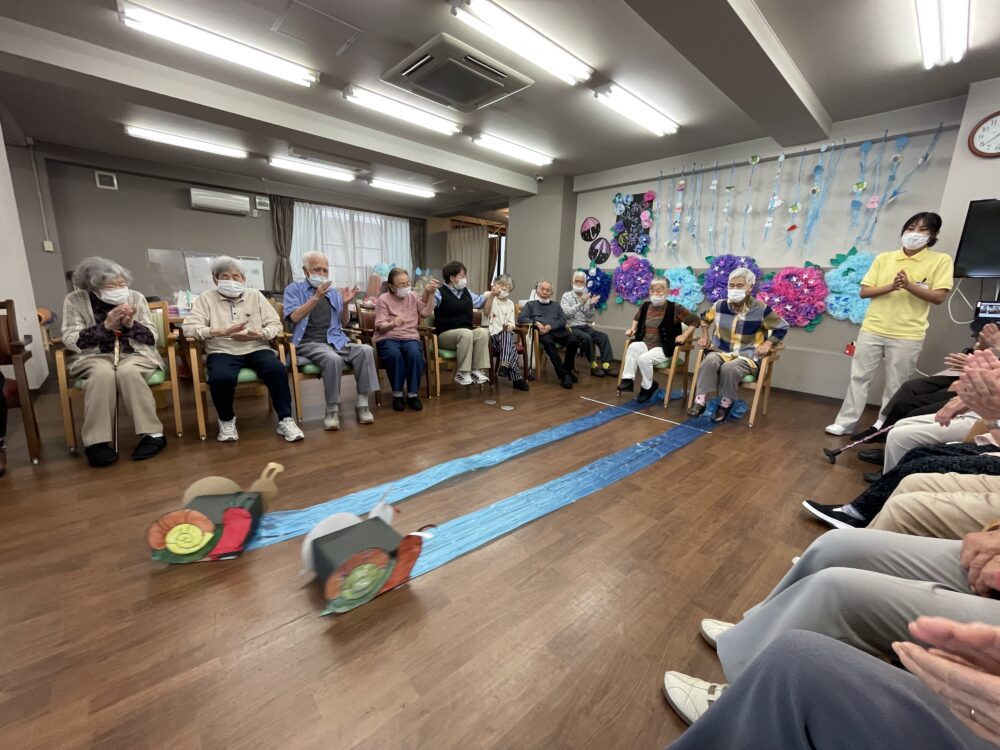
[{"x": 213, "y": 200}]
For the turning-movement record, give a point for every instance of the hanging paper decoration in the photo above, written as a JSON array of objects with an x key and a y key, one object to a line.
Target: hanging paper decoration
[
  {"x": 716, "y": 279},
  {"x": 599, "y": 283},
  {"x": 754, "y": 161},
  {"x": 795, "y": 206},
  {"x": 861, "y": 184},
  {"x": 728, "y": 208},
  {"x": 589, "y": 229},
  {"x": 600, "y": 251},
  {"x": 382, "y": 269},
  {"x": 775, "y": 200},
  {"x": 668, "y": 212},
  {"x": 843, "y": 300},
  {"x": 877, "y": 202},
  {"x": 694, "y": 212},
  {"x": 635, "y": 217},
  {"x": 683, "y": 287},
  {"x": 872, "y": 203},
  {"x": 678, "y": 213},
  {"x": 797, "y": 294},
  {"x": 657, "y": 212},
  {"x": 631, "y": 279},
  {"x": 816, "y": 207},
  {"x": 921, "y": 163}
]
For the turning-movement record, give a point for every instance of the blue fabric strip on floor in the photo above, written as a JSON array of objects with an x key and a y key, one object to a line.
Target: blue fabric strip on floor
[
  {"x": 288, "y": 524},
  {"x": 459, "y": 536}
]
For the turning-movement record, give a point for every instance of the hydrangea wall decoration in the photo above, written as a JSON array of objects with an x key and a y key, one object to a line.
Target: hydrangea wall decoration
[
  {"x": 599, "y": 283},
  {"x": 631, "y": 279},
  {"x": 797, "y": 294},
  {"x": 843, "y": 281},
  {"x": 716, "y": 277},
  {"x": 635, "y": 218},
  {"x": 683, "y": 287}
]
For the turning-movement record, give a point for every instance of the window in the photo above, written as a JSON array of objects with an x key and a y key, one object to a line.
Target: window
[{"x": 354, "y": 241}]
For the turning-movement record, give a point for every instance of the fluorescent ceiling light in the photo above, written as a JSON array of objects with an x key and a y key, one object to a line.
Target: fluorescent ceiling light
[
  {"x": 179, "y": 140},
  {"x": 165, "y": 27},
  {"x": 500, "y": 26},
  {"x": 511, "y": 149},
  {"x": 396, "y": 108},
  {"x": 408, "y": 189},
  {"x": 631, "y": 107},
  {"x": 310, "y": 167},
  {"x": 943, "y": 26}
]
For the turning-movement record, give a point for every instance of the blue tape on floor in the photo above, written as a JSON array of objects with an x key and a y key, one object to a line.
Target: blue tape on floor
[
  {"x": 461, "y": 535},
  {"x": 288, "y": 524}
]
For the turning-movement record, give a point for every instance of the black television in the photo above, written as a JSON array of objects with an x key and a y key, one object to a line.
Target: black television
[{"x": 978, "y": 254}]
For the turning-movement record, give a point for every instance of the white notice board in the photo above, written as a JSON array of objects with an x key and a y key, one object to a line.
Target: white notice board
[{"x": 199, "y": 270}]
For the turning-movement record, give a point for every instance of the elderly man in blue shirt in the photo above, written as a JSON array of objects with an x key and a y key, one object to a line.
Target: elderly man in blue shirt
[{"x": 318, "y": 312}]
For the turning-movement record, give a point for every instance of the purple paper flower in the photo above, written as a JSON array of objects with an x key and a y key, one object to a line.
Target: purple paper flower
[
  {"x": 631, "y": 279},
  {"x": 717, "y": 275}
]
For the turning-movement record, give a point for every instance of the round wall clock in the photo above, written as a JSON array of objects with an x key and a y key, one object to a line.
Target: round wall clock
[{"x": 984, "y": 139}]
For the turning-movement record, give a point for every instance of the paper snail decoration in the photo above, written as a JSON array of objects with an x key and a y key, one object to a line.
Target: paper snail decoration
[
  {"x": 589, "y": 229},
  {"x": 217, "y": 521},
  {"x": 355, "y": 560}
]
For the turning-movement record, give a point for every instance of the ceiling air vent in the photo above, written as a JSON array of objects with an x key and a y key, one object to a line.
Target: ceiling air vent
[{"x": 452, "y": 73}]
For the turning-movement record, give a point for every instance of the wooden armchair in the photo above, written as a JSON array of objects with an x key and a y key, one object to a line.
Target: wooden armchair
[
  {"x": 523, "y": 333},
  {"x": 366, "y": 325},
  {"x": 443, "y": 357},
  {"x": 14, "y": 352},
  {"x": 159, "y": 381},
  {"x": 760, "y": 383},
  {"x": 679, "y": 360}
]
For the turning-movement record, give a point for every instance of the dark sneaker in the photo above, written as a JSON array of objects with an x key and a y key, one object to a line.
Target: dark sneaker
[
  {"x": 573, "y": 376},
  {"x": 567, "y": 381},
  {"x": 398, "y": 403},
  {"x": 873, "y": 456},
  {"x": 872, "y": 477},
  {"x": 148, "y": 447},
  {"x": 829, "y": 514},
  {"x": 520, "y": 385},
  {"x": 100, "y": 454},
  {"x": 414, "y": 403},
  {"x": 627, "y": 385},
  {"x": 503, "y": 371},
  {"x": 721, "y": 412},
  {"x": 597, "y": 372},
  {"x": 696, "y": 409},
  {"x": 611, "y": 371},
  {"x": 647, "y": 393}
]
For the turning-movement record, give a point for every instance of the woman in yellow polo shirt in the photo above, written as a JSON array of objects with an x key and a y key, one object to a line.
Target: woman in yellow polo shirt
[{"x": 902, "y": 285}]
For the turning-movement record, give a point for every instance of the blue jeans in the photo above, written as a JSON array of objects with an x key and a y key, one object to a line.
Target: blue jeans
[{"x": 403, "y": 361}]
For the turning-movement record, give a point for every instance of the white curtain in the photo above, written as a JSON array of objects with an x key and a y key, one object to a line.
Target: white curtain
[
  {"x": 471, "y": 248},
  {"x": 354, "y": 241}
]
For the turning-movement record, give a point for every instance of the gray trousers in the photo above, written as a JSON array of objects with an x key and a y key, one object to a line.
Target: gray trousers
[
  {"x": 809, "y": 691},
  {"x": 331, "y": 361},
  {"x": 717, "y": 374},
  {"x": 861, "y": 587}
]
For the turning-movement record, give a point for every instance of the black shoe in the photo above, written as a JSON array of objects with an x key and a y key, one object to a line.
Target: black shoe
[
  {"x": 567, "y": 381},
  {"x": 573, "y": 376},
  {"x": 868, "y": 432},
  {"x": 100, "y": 454},
  {"x": 872, "y": 477},
  {"x": 627, "y": 385},
  {"x": 398, "y": 403},
  {"x": 611, "y": 371},
  {"x": 830, "y": 515},
  {"x": 873, "y": 456},
  {"x": 148, "y": 447},
  {"x": 520, "y": 385},
  {"x": 597, "y": 372},
  {"x": 503, "y": 371},
  {"x": 414, "y": 403},
  {"x": 647, "y": 393},
  {"x": 721, "y": 412},
  {"x": 696, "y": 409}
]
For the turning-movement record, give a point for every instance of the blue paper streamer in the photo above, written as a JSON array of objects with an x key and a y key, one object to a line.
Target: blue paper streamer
[
  {"x": 727, "y": 209},
  {"x": 695, "y": 212},
  {"x": 288, "y": 524},
  {"x": 747, "y": 207},
  {"x": 856, "y": 203},
  {"x": 795, "y": 206},
  {"x": 464, "y": 534},
  {"x": 772, "y": 204},
  {"x": 828, "y": 183},
  {"x": 714, "y": 189}
]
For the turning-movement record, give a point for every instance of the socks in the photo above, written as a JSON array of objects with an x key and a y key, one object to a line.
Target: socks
[
  {"x": 593, "y": 365},
  {"x": 332, "y": 408},
  {"x": 700, "y": 399},
  {"x": 362, "y": 400},
  {"x": 878, "y": 424},
  {"x": 396, "y": 394},
  {"x": 606, "y": 366},
  {"x": 725, "y": 403},
  {"x": 412, "y": 395},
  {"x": 150, "y": 434},
  {"x": 849, "y": 510}
]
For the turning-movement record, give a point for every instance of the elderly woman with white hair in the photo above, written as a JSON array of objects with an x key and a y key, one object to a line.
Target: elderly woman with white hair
[
  {"x": 581, "y": 309},
  {"x": 745, "y": 330},
  {"x": 109, "y": 332},
  {"x": 236, "y": 323},
  {"x": 319, "y": 311}
]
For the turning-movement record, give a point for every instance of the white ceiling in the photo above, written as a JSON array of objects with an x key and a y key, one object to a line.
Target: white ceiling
[{"x": 859, "y": 57}]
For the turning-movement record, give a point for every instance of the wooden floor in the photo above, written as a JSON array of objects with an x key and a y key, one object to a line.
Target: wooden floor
[{"x": 555, "y": 636}]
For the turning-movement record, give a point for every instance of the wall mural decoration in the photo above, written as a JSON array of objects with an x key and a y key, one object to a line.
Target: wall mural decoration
[
  {"x": 797, "y": 294},
  {"x": 600, "y": 251},
  {"x": 635, "y": 218},
  {"x": 589, "y": 229},
  {"x": 631, "y": 279},
  {"x": 843, "y": 281}
]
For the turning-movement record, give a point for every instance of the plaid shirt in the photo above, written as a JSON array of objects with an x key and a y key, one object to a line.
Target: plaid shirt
[{"x": 739, "y": 333}]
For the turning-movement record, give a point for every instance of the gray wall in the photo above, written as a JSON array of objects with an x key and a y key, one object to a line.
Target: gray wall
[{"x": 540, "y": 235}]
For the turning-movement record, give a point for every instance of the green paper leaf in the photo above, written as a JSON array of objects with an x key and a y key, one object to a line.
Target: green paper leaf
[
  {"x": 710, "y": 259},
  {"x": 852, "y": 251},
  {"x": 813, "y": 323},
  {"x": 620, "y": 300}
]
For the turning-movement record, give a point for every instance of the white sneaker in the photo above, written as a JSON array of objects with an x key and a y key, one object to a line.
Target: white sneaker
[
  {"x": 463, "y": 378},
  {"x": 712, "y": 629},
  {"x": 289, "y": 430},
  {"x": 689, "y": 696},
  {"x": 836, "y": 429},
  {"x": 227, "y": 431},
  {"x": 479, "y": 377},
  {"x": 364, "y": 415},
  {"x": 331, "y": 420}
]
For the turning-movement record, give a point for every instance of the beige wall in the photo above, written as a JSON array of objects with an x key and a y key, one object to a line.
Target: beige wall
[{"x": 540, "y": 235}]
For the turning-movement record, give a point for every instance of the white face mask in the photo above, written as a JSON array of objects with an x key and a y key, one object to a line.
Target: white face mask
[
  {"x": 914, "y": 240},
  {"x": 317, "y": 281},
  {"x": 737, "y": 295},
  {"x": 116, "y": 296},
  {"x": 657, "y": 299},
  {"x": 579, "y": 288},
  {"x": 461, "y": 283},
  {"x": 504, "y": 294},
  {"x": 228, "y": 288},
  {"x": 402, "y": 291}
]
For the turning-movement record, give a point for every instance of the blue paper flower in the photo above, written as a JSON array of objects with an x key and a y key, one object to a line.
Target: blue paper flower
[
  {"x": 844, "y": 282},
  {"x": 683, "y": 287},
  {"x": 599, "y": 283}
]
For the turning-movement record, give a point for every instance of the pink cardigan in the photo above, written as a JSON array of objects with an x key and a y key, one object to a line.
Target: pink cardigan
[{"x": 388, "y": 306}]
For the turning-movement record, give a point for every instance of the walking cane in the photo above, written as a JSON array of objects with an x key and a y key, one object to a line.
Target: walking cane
[
  {"x": 116, "y": 358},
  {"x": 831, "y": 454}
]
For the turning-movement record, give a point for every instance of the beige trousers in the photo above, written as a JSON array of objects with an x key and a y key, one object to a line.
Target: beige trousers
[
  {"x": 472, "y": 344},
  {"x": 900, "y": 357},
  {"x": 102, "y": 384},
  {"x": 947, "y": 506}
]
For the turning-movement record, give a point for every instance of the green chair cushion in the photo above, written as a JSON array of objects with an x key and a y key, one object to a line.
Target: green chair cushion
[
  {"x": 246, "y": 375},
  {"x": 306, "y": 367},
  {"x": 309, "y": 369},
  {"x": 448, "y": 353},
  {"x": 157, "y": 378},
  {"x": 749, "y": 378}
]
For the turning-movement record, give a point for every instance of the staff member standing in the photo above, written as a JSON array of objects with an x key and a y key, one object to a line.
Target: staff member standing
[{"x": 902, "y": 285}]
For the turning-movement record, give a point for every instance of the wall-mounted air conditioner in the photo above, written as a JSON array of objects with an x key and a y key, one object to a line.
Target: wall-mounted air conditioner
[{"x": 213, "y": 200}]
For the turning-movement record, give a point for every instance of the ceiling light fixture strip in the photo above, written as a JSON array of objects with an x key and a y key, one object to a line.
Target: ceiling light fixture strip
[
  {"x": 397, "y": 188},
  {"x": 400, "y": 110},
  {"x": 631, "y": 107},
  {"x": 943, "y": 29},
  {"x": 178, "y": 140},
  {"x": 512, "y": 150}
]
